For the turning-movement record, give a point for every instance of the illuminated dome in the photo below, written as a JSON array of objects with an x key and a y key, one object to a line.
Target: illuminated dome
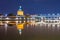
[{"x": 20, "y": 12}]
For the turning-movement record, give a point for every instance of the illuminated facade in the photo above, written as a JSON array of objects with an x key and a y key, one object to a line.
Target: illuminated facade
[
  {"x": 21, "y": 18},
  {"x": 46, "y": 18}
]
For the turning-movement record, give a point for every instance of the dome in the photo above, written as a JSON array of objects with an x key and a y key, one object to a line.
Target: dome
[{"x": 20, "y": 12}]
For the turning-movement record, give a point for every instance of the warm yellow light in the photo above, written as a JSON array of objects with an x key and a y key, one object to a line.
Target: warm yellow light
[
  {"x": 20, "y": 12},
  {"x": 1, "y": 23},
  {"x": 20, "y": 26}
]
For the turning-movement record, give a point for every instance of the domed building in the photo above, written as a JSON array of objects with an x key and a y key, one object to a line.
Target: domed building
[{"x": 20, "y": 12}]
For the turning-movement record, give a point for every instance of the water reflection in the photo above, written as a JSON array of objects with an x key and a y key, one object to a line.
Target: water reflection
[
  {"x": 20, "y": 27},
  {"x": 31, "y": 31}
]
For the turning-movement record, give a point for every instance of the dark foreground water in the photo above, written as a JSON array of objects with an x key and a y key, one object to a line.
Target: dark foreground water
[{"x": 30, "y": 33}]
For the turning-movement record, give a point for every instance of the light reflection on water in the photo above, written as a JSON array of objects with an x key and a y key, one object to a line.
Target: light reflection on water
[{"x": 31, "y": 32}]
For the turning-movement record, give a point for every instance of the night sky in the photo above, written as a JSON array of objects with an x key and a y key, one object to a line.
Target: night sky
[{"x": 30, "y": 6}]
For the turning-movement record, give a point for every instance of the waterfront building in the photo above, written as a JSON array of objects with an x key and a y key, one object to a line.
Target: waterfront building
[{"x": 21, "y": 18}]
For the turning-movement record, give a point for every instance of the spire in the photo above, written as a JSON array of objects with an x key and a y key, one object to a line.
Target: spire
[{"x": 20, "y": 7}]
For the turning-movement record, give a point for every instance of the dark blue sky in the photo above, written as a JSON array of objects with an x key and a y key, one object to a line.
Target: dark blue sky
[{"x": 30, "y": 6}]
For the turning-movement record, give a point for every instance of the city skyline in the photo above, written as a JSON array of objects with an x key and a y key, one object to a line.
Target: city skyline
[{"x": 29, "y": 19}]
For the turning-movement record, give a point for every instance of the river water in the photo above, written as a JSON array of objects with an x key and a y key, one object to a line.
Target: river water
[{"x": 30, "y": 32}]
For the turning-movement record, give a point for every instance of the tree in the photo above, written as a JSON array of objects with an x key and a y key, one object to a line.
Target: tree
[{"x": 10, "y": 14}]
